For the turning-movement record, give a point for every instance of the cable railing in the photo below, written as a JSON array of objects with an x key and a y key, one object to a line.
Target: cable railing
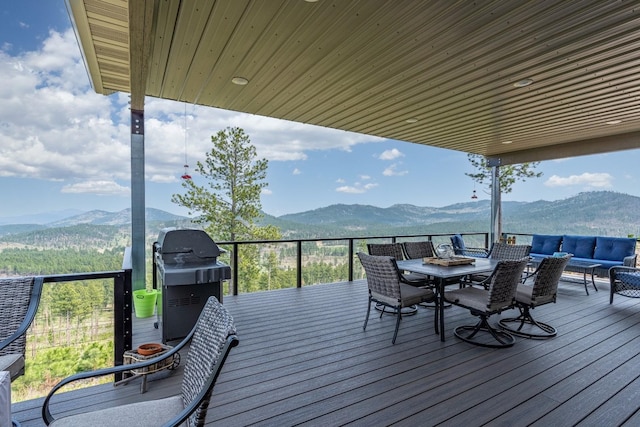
[{"x": 351, "y": 244}]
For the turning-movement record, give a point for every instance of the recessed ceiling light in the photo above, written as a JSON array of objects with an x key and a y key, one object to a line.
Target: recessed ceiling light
[
  {"x": 523, "y": 82},
  {"x": 613, "y": 122},
  {"x": 507, "y": 142},
  {"x": 411, "y": 120},
  {"x": 241, "y": 81}
]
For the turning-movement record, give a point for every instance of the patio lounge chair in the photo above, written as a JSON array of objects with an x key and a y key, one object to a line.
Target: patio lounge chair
[
  {"x": 388, "y": 288},
  {"x": 543, "y": 291},
  {"x": 484, "y": 302},
  {"x": 211, "y": 339},
  {"x": 460, "y": 248},
  {"x": 624, "y": 281},
  {"x": 19, "y": 299}
]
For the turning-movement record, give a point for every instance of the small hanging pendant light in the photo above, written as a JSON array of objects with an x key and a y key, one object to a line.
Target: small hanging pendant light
[
  {"x": 186, "y": 165},
  {"x": 186, "y": 172}
]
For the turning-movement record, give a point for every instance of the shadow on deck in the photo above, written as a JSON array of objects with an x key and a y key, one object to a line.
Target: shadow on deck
[{"x": 304, "y": 359}]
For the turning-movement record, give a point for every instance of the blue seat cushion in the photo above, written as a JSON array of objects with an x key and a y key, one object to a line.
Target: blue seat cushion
[
  {"x": 614, "y": 248},
  {"x": 580, "y": 246},
  {"x": 545, "y": 244}
]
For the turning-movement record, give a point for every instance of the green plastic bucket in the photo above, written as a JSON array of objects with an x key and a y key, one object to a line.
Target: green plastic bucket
[{"x": 144, "y": 302}]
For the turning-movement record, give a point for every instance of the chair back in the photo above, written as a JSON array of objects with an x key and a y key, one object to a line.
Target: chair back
[
  {"x": 502, "y": 251},
  {"x": 547, "y": 276},
  {"x": 386, "y": 249},
  {"x": 383, "y": 276},
  {"x": 504, "y": 282},
  {"x": 19, "y": 299},
  {"x": 207, "y": 351},
  {"x": 458, "y": 244},
  {"x": 419, "y": 250}
]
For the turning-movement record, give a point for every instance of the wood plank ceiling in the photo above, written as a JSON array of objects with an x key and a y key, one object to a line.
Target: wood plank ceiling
[{"x": 441, "y": 73}]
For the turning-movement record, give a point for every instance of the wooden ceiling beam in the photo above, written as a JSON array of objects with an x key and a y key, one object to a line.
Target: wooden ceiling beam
[{"x": 140, "y": 42}]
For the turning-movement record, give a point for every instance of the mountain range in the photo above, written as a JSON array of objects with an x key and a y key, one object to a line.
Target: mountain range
[{"x": 589, "y": 213}]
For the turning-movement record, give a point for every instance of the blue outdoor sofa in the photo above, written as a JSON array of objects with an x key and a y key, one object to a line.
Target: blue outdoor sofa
[{"x": 608, "y": 251}]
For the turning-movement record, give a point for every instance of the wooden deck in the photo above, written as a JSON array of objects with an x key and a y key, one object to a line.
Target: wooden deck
[{"x": 303, "y": 359}]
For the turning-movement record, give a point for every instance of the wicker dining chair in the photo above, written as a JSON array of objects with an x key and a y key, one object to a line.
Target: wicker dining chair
[
  {"x": 19, "y": 299},
  {"x": 425, "y": 249},
  {"x": 484, "y": 302},
  {"x": 499, "y": 251},
  {"x": 210, "y": 341},
  {"x": 418, "y": 250},
  {"x": 396, "y": 251},
  {"x": 543, "y": 291},
  {"x": 388, "y": 288},
  {"x": 503, "y": 251}
]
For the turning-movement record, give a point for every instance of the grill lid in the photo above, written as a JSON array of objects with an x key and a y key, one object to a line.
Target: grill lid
[{"x": 186, "y": 246}]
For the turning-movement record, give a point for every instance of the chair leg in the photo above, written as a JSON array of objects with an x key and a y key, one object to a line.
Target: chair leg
[
  {"x": 398, "y": 319},
  {"x": 508, "y": 324},
  {"x": 366, "y": 319},
  {"x": 611, "y": 291},
  {"x": 467, "y": 333},
  {"x": 436, "y": 315}
]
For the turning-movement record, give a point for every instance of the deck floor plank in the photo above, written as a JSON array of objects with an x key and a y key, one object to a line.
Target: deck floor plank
[{"x": 304, "y": 359}]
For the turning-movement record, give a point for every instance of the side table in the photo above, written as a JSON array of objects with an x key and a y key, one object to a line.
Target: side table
[{"x": 132, "y": 356}]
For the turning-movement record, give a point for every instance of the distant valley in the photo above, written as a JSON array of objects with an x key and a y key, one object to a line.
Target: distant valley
[{"x": 602, "y": 213}]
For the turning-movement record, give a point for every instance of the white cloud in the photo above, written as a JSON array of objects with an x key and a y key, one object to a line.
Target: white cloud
[
  {"x": 297, "y": 171},
  {"x": 365, "y": 177},
  {"x": 274, "y": 139},
  {"x": 594, "y": 180},
  {"x": 392, "y": 171},
  {"x": 349, "y": 189},
  {"x": 53, "y": 126},
  {"x": 357, "y": 188},
  {"x": 391, "y": 154},
  {"x": 340, "y": 181},
  {"x": 266, "y": 192},
  {"x": 102, "y": 188}
]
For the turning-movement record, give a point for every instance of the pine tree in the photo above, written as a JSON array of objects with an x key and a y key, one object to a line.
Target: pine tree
[
  {"x": 228, "y": 204},
  {"x": 507, "y": 177}
]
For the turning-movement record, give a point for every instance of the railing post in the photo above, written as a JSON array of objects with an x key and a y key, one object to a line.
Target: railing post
[
  {"x": 234, "y": 276},
  {"x": 350, "y": 260},
  {"x": 122, "y": 322},
  {"x": 299, "y": 265}
]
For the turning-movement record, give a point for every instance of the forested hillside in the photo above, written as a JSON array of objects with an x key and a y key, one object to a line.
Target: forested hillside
[{"x": 601, "y": 213}]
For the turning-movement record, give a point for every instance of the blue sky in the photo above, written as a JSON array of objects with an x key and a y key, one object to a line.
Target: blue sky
[{"x": 64, "y": 147}]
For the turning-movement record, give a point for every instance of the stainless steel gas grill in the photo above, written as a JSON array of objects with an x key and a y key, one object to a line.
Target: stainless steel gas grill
[{"x": 186, "y": 272}]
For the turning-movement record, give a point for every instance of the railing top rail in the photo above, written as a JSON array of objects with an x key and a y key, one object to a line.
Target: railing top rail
[
  {"x": 53, "y": 278},
  {"x": 324, "y": 239}
]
